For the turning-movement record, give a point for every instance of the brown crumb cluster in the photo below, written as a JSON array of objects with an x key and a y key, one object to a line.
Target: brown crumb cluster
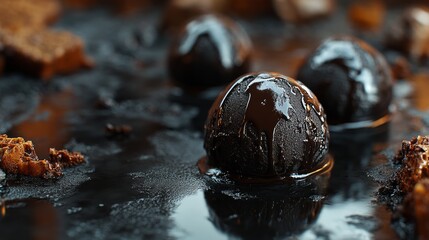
[
  {"x": 19, "y": 157},
  {"x": 407, "y": 192},
  {"x": 413, "y": 158}
]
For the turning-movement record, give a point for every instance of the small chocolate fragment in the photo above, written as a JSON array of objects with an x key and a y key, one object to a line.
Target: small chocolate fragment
[
  {"x": 352, "y": 81},
  {"x": 18, "y": 14},
  {"x": 44, "y": 53},
  {"x": 367, "y": 14},
  {"x": 65, "y": 158},
  {"x": 118, "y": 129},
  {"x": 211, "y": 51},
  {"x": 19, "y": 157},
  {"x": 297, "y": 11},
  {"x": 266, "y": 125},
  {"x": 105, "y": 103},
  {"x": 410, "y": 33}
]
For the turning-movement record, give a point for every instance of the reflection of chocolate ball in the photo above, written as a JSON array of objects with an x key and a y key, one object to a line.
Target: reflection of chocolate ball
[
  {"x": 351, "y": 79},
  {"x": 266, "y": 125},
  {"x": 267, "y": 212},
  {"x": 211, "y": 51}
]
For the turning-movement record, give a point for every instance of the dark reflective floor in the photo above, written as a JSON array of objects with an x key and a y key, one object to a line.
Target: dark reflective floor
[{"x": 147, "y": 185}]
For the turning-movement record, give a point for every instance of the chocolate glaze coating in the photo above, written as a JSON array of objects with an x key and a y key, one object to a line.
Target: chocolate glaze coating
[
  {"x": 351, "y": 79},
  {"x": 211, "y": 51},
  {"x": 266, "y": 125}
]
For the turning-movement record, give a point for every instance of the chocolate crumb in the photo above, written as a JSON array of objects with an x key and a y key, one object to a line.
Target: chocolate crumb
[
  {"x": 65, "y": 158},
  {"x": 123, "y": 130}
]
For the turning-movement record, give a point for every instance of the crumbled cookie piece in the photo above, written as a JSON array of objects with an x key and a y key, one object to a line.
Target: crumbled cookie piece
[
  {"x": 19, "y": 157},
  {"x": 44, "y": 53},
  {"x": 16, "y": 14}
]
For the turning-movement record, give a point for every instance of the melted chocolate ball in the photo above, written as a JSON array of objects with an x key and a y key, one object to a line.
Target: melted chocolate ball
[
  {"x": 266, "y": 125},
  {"x": 352, "y": 81},
  {"x": 211, "y": 51}
]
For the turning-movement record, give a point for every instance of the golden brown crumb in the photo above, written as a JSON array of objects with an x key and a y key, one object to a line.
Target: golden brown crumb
[
  {"x": 43, "y": 53},
  {"x": 19, "y": 157}
]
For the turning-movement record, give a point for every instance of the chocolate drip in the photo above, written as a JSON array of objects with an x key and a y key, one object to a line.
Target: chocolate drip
[{"x": 267, "y": 104}]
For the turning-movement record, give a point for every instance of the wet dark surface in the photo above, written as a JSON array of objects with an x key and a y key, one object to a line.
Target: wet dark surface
[{"x": 147, "y": 185}]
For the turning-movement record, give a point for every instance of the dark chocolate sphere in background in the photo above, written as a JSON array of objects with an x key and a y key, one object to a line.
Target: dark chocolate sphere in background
[
  {"x": 351, "y": 80},
  {"x": 211, "y": 51},
  {"x": 266, "y": 125},
  {"x": 410, "y": 33}
]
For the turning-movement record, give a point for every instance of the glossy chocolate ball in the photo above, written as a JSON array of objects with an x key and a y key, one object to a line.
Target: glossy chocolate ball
[
  {"x": 211, "y": 51},
  {"x": 352, "y": 81},
  {"x": 410, "y": 33},
  {"x": 266, "y": 125}
]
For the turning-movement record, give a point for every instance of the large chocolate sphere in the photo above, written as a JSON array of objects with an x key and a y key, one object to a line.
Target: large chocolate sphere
[
  {"x": 266, "y": 125},
  {"x": 352, "y": 81}
]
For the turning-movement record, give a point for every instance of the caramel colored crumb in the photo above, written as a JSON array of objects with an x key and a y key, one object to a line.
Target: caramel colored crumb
[
  {"x": 19, "y": 157},
  {"x": 43, "y": 53},
  {"x": 367, "y": 15}
]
